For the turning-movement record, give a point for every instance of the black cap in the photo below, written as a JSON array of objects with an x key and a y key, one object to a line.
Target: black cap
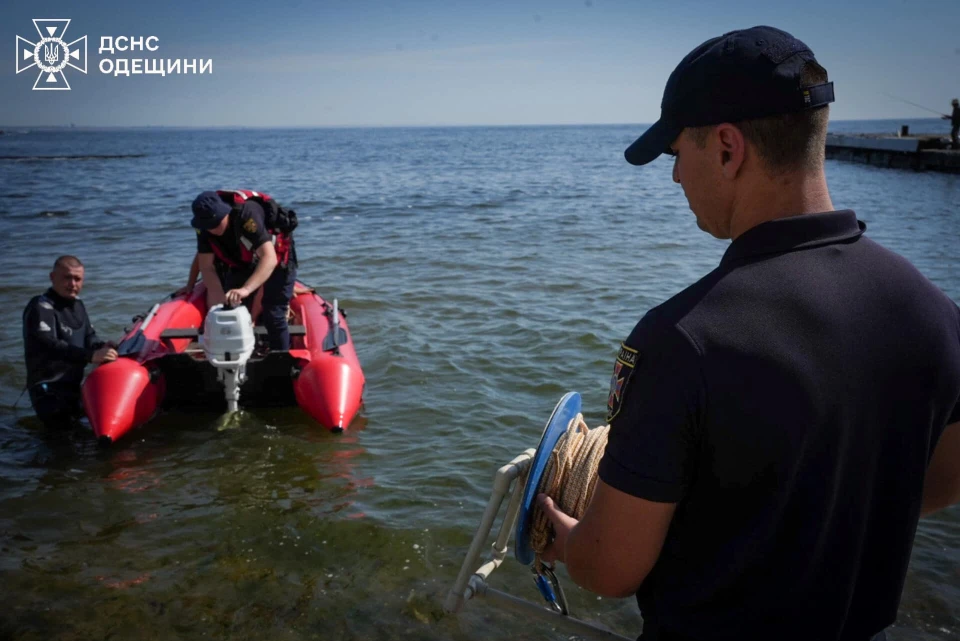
[
  {"x": 208, "y": 210},
  {"x": 741, "y": 75}
]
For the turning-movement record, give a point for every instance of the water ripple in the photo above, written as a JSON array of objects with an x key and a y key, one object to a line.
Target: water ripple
[{"x": 480, "y": 288}]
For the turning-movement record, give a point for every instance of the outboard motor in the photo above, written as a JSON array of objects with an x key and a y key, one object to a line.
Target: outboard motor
[{"x": 228, "y": 342}]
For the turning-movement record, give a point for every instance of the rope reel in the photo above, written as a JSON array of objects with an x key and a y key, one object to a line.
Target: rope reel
[
  {"x": 565, "y": 468},
  {"x": 569, "y": 478}
]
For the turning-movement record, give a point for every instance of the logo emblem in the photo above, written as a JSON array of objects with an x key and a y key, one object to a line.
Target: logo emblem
[
  {"x": 51, "y": 54},
  {"x": 622, "y": 371},
  {"x": 250, "y": 226}
]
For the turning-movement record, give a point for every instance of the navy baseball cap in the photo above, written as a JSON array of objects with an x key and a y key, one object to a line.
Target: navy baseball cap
[
  {"x": 741, "y": 75},
  {"x": 208, "y": 210}
]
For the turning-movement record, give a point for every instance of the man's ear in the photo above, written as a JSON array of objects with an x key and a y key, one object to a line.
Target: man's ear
[{"x": 732, "y": 148}]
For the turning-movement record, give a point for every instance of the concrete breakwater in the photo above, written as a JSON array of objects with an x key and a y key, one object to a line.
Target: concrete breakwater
[{"x": 929, "y": 152}]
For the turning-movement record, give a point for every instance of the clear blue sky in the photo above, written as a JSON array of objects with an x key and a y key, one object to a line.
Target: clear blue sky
[{"x": 455, "y": 62}]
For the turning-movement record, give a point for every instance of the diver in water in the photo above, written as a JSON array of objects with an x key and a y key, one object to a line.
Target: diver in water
[{"x": 59, "y": 341}]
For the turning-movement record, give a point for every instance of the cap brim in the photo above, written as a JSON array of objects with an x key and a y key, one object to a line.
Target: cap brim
[
  {"x": 206, "y": 224},
  {"x": 655, "y": 141}
]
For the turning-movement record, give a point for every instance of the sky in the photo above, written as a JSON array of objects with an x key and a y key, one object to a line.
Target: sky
[{"x": 296, "y": 63}]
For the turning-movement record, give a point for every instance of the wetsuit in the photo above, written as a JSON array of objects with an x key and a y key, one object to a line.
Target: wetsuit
[
  {"x": 236, "y": 259},
  {"x": 58, "y": 342}
]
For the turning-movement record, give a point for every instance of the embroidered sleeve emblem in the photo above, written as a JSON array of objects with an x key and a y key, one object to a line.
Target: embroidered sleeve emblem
[{"x": 623, "y": 368}]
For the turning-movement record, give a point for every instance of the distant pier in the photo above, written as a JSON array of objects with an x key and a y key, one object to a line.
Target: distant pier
[{"x": 922, "y": 152}]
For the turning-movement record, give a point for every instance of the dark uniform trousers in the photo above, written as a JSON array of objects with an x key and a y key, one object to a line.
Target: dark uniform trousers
[{"x": 277, "y": 291}]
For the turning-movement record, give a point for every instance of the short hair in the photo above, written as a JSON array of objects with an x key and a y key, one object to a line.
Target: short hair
[
  {"x": 786, "y": 142},
  {"x": 67, "y": 261}
]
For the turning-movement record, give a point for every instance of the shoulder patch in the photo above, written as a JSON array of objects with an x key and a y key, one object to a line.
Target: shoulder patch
[
  {"x": 44, "y": 304},
  {"x": 250, "y": 226},
  {"x": 627, "y": 359},
  {"x": 44, "y": 327}
]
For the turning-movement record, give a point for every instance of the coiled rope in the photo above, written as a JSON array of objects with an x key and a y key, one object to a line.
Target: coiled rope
[{"x": 569, "y": 478}]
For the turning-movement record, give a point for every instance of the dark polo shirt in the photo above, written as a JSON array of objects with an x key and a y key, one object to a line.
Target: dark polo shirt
[
  {"x": 789, "y": 403},
  {"x": 245, "y": 233}
]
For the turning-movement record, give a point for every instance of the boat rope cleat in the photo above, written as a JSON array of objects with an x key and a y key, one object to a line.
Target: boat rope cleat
[
  {"x": 228, "y": 342},
  {"x": 516, "y": 485}
]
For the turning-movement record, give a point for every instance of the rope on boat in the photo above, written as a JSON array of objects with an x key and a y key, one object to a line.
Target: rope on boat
[{"x": 569, "y": 478}]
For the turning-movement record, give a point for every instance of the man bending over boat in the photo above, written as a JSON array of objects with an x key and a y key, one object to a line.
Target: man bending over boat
[
  {"x": 778, "y": 428},
  {"x": 239, "y": 250},
  {"x": 58, "y": 342}
]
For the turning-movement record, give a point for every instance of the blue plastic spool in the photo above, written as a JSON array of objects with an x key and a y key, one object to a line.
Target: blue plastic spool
[{"x": 568, "y": 407}]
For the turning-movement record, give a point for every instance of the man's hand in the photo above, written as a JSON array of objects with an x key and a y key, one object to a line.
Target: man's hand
[
  {"x": 236, "y": 296},
  {"x": 105, "y": 354},
  {"x": 562, "y": 524}
]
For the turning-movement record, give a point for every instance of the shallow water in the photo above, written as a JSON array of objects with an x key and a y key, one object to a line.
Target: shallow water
[{"x": 486, "y": 272}]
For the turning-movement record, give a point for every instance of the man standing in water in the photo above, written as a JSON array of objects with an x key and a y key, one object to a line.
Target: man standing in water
[
  {"x": 58, "y": 342},
  {"x": 954, "y": 119},
  {"x": 774, "y": 435}
]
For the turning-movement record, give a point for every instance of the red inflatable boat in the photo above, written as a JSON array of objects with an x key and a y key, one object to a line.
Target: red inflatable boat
[{"x": 163, "y": 362}]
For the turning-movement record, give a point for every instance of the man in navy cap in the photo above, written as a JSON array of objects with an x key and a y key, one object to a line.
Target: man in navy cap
[
  {"x": 778, "y": 428},
  {"x": 236, "y": 255}
]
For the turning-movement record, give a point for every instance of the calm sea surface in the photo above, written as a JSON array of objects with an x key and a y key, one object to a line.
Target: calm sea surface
[{"x": 486, "y": 272}]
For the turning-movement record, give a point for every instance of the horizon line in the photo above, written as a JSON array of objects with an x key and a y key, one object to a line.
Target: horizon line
[{"x": 4, "y": 128}]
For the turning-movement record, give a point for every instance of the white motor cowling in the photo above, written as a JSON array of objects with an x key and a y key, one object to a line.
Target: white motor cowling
[{"x": 228, "y": 342}]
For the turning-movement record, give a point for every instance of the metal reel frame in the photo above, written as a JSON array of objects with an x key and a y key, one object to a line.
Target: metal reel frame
[{"x": 508, "y": 484}]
